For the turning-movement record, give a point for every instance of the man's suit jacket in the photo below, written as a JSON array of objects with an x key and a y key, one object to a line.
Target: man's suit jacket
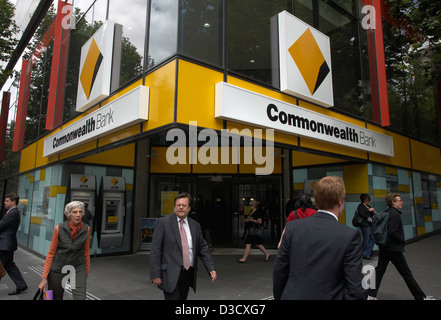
[
  {"x": 166, "y": 252},
  {"x": 8, "y": 230},
  {"x": 319, "y": 259}
]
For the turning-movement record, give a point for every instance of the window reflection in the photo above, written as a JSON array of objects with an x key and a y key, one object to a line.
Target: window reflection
[
  {"x": 87, "y": 23},
  {"x": 132, "y": 17},
  {"x": 340, "y": 23},
  {"x": 201, "y": 30},
  {"x": 249, "y": 36},
  {"x": 163, "y": 30}
]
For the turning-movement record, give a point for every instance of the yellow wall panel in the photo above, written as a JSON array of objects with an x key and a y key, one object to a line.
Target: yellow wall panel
[
  {"x": 299, "y": 186},
  {"x": 392, "y": 171},
  {"x": 35, "y": 220},
  {"x": 196, "y": 86},
  {"x": 261, "y": 90},
  {"x": 356, "y": 178},
  {"x": 249, "y": 165},
  {"x": 380, "y": 193},
  {"x": 27, "y": 158},
  {"x": 78, "y": 150},
  {"x": 123, "y": 156},
  {"x": 162, "y": 84},
  {"x": 215, "y": 168},
  {"x": 301, "y": 159},
  {"x": 427, "y": 218},
  {"x": 401, "y": 156},
  {"x": 61, "y": 189},
  {"x": 421, "y": 231},
  {"x": 342, "y": 217},
  {"x": 425, "y": 157},
  {"x": 403, "y": 188},
  {"x": 53, "y": 191},
  {"x": 160, "y": 164},
  {"x": 42, "y": 174}
]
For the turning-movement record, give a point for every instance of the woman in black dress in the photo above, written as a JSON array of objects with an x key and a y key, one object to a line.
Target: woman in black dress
[{"x": 255, "y": 232}]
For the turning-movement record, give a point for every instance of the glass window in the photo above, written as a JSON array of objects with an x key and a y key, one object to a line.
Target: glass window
[
  {"x": 201, "y": 30},
  {"x": 339, "y": 22},
  {"x": 249, "y": 36},
  {"x": 39, "y": 52},
  {"x": 303, "y": 9},
  {"x": 82, "y": 5},
  {"x": 86, "y": 25},
  {"x": 163, "y": 37},
  {"x": 132, "y": 16},
  {"x": 411, "y": 98}
]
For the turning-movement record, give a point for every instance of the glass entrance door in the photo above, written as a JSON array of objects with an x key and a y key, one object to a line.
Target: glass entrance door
[
  {"x": 213, "y": 207},
  {"x": 221, "y": 200},
  {"x": 267, "y": 191}
]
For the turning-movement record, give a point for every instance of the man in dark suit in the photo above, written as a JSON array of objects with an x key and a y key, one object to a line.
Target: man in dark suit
[
  {"x": 168, "y": 269},
  {"x": 8, "y": 242},
  {"x": 320, "y": 258}
]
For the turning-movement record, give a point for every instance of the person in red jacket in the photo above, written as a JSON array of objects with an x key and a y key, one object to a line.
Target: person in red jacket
[{"x": 304, "y": 210}]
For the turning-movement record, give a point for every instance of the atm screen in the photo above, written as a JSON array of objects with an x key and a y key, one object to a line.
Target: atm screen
[{"x": 111, "y": 216}]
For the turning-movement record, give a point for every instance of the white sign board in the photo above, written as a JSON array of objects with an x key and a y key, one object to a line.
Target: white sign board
[
  {"x": 247, "y": 107},
  {"x": 96, "y": 67},
  {"x": 128, "y": 110},
  {"x": 305, "y": 61}
]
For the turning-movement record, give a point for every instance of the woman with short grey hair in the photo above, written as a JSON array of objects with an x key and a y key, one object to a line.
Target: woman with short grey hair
[
  {"x": 73, "y": 205},
  {"x": 69, "y": 254}
]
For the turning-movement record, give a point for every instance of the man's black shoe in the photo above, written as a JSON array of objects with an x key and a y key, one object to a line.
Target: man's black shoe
[{"x": 17, "y": 291}]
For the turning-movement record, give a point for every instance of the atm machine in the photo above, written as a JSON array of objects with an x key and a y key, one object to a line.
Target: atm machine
[
  {"x": 111, "y": 214},
  {"x": 83, "y": 188}
]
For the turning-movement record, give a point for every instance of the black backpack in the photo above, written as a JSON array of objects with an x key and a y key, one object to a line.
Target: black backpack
[{"x": 379, "y": 227}]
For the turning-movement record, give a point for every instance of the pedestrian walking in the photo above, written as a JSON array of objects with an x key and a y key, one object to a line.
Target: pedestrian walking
[
  {"x": 320, "y": 258},
  {"x": 8, "y": 242},
  {"x": 393, "y": 251},
  {"x": 177, "y": 244},
  {"x": 305, "y": 209},
  {"x": 69, "y": 252},
  {"x": 292, "y": 203},
  {"x": 366, "y": 212},
  {"x": 255, "y": 232}
]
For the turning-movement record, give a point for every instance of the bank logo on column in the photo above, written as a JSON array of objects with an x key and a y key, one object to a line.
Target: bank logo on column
[
  {"x": 305, "y": 61},
  {"x": 96, "y": 67}
]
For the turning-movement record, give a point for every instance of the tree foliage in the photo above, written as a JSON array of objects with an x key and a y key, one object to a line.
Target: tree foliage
[
  {"x": 8, "y": 29},
  {"x": 421, "y": 21}
]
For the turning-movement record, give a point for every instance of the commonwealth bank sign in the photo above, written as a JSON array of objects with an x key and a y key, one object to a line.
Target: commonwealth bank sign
[
  {"x": 305, "y": 61},
  {"x": 96, "y": 67}
]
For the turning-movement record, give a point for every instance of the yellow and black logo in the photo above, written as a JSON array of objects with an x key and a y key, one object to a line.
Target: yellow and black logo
[
  {"x": 310, "y": 60},
  {"x": 91, "y": 67}
]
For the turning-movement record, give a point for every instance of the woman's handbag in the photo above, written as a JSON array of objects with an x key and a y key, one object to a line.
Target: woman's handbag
[
  {"x": 357, "y": 220},
  {"x": 43, "y": 295},
  {"x": 39, "y": 295},
  {"x": 253, "y": 231},
  {"x": 2, "y": 271}
]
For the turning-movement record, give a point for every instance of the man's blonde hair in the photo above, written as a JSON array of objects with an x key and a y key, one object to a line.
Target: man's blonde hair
[{"x": 328, "y": 192}]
